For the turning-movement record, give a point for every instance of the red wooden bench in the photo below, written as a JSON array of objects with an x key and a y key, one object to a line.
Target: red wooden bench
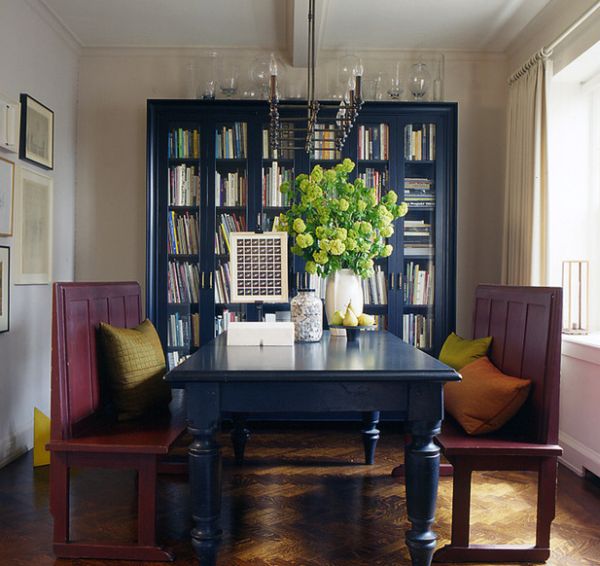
[
  {"x": 81, "y": 436},
  {"x": 525, "y": 323}
]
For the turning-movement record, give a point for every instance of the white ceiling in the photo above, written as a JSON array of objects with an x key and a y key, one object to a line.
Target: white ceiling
[{"x": 476, "y": 25}]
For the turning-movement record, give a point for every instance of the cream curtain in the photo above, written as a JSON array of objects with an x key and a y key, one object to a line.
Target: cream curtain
[{"x": 526, "y": 191}]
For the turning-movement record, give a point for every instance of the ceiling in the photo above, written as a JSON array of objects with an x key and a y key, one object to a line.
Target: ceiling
[{"x": 474, "y": 25}]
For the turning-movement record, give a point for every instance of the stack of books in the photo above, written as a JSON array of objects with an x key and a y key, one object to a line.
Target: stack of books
[
  {"x": 375, "y": 288},
  {"x": 183, "y": 331},
  {"x": 231, "y": 141},
  {"x": 183, "y": 235},
  {"x": 419, "y": 142},
  {"x": 373, "y": 142},
  {"x": 183, "y": 282},
  {"x": 272, "y": 178},
  {"x": 230, "y": 189},
  {"x": 417, "y": 238},
  {"x": 417, "y": 330},
  {"x": 184, "y": 144},
  {"x": 418, "y": 192},
  {"x": 418, "y": 284},
  {"x": 227, "y": 223},
  {"x": 222, "y": 283},
  {"x": 287, "y": 132},
  {"x": 375, "y": 179},
  {"x": 325, "y": 144},
  {"x": 184, "y": 186}
]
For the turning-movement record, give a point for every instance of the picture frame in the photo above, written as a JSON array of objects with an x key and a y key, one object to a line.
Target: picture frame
[
  {"x": 7, "y": 190},
  {"x": 4, "y": 288},
  {"x": 37, "y": 133},
  {"x": 259, "y": 267},
  {"x": 32, "y": 262}
]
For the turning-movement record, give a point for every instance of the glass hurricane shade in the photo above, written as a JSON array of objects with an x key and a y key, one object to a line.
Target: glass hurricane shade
[{"x": 419, "y": 80}]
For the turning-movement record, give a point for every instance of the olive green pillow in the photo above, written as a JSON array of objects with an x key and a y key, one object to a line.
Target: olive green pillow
[
  {"x": 135, "y": 363},
  {"x": 458, "y": 352}
]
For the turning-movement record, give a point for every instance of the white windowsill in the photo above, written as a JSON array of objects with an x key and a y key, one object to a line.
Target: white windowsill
[{"x": 584, "y": 347}]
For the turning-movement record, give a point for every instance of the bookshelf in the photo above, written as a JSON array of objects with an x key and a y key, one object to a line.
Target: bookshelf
[{"x": 210, "y": 172}]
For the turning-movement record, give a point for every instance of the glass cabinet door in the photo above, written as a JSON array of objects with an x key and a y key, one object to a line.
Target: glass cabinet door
[
  {"x": 419, "y": 235},
  {"x": 231, "y": 200},
  {"x": 182, "y": 241}
]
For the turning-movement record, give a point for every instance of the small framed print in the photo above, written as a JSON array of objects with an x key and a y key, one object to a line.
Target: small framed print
[
  {"x": 4, "y": 288},
  {"x": 259, "y": 267},
  {"x": 37, "y": 133},
  {"x": 7, "y": 187},
  {"x": 33, "y": 228}
]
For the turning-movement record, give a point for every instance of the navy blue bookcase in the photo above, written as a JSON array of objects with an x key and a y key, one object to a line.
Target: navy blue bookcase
[{"x": 414, "y": 152}]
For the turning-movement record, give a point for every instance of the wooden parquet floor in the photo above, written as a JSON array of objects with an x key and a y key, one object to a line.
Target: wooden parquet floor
[{"x": 303, "y": 498}]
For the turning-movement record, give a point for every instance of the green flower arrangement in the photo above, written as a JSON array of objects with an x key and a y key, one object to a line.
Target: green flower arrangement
[{"x": 335, "y": 224}]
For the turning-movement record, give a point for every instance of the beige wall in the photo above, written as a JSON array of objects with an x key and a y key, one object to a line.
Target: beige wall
[
  {"x": 38, "y": 60},
  {"x": 111, "y": 158}
]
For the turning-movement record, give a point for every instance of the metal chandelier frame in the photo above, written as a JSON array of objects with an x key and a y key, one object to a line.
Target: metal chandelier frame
[{"x": 284, "y": 138}]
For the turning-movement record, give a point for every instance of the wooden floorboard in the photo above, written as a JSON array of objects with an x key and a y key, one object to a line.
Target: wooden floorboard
[{"x": 303, "y": 498}]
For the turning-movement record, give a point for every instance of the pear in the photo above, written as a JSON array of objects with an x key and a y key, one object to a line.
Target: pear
[
  {"x": 366, "y": 320},
  {"x": 338, "y": 318},
  {"x": 353, "y": 310},
  {"x": 350, "y": 319}
]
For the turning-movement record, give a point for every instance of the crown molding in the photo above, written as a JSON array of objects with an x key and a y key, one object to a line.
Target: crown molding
[{"x": 56, "y": 23}]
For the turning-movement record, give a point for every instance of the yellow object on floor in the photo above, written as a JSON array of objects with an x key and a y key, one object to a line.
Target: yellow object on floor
[{"x": 41, "y": 437}]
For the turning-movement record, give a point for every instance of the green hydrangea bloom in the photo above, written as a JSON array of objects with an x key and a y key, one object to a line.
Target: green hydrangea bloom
[
  {"x": 402, "y": 209},
  {"x": 304, "y": 184},
  {"x": 330, "y": 176},
  {"x": 361, "y": 205},
  {"x": 337, "y": 247},
  {"x": 350, "y": 244},
  {"x": 304, "y": 240},
  {"x": 321, "y": 257},
  {"x": 299, "y": 225},
  {"x": 387, "y": 231},
  {"x": 348, "y": 165},
  {"x": 343, "y": 205},
  {"x": 387, "y": 250},
  {"x": 391, "y": 197},
  {"x": 325, "y": 244},
  {"x": 310, "y": 267},
  {"x": 366, "y": 228},
  {"x": 317, "y": 174},
  {"x": 341, "y": 233}
]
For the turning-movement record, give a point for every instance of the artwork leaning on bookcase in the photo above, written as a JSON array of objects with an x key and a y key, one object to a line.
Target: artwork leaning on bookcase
[{"x": 211, "y": 173}]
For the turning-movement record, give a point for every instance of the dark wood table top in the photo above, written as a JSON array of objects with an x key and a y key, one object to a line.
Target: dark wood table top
[{"x": 375, "y": 355}]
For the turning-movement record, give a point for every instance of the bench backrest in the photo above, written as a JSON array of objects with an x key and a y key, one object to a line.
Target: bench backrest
[
  {"x": 525, "y": 323},
  {"x": 77, "y": 310}
]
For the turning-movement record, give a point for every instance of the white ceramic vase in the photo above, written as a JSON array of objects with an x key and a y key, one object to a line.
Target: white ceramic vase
[{"x": 342, "y": 287}]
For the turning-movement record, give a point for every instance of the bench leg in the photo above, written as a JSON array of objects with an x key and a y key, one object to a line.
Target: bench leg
[
  {"x": 546, "y": 502},
  {"x": 59, "y": 496},
  {"x": 370, "y": 434}
]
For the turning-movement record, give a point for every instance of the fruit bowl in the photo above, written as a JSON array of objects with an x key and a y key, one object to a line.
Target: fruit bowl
[{"x": 352, "y": 332}]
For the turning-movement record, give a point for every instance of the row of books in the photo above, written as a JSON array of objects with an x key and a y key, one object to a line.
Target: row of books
[
  {"x": 222, "y": 284},
  {"x": 227, "y": 223},
  {"x": 418, "y": 192},
  {"x": 373, "y": 142},
  {"x": 419, "y": 142},
  {"x": 376, "y": 179},
  {"x": 325, "y": 144},
  {"x": 418, "y": 284},
  {"x": 287, "y": 135},
  {"x": 375, "y": 288},
  {"x": 184, "y": 186},
  {"x": 273, "y": 177},
  {"x": 175, "y": 358},
  {"x": 417, "y": 232},
  {"x": 222, "y": 320},
  {"x": 230, "y": 189},
  {"x": 417, "y": 330},
  {"x": 183, "y": 235},
  {"x": 183, "y": 282},
  {"x": 232, "y": 141},
  {"x": 184, "y": 144},
  {"x": 183, "y": 330}
]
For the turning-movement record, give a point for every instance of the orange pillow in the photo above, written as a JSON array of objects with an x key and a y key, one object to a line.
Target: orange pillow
[{"x": 486, "y": 398}]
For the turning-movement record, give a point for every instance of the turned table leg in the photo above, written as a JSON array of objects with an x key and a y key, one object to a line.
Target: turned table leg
[
  {"x": 370, "y": 434},
  {"x": 204, "y": 473},
  {"x": 422, "y": 462}
]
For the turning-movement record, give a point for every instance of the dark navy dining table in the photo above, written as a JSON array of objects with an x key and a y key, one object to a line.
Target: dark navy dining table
[{"x": 378, "y": 372}]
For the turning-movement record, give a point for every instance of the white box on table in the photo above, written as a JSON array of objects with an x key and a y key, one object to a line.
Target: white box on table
[{"x": 260, "y": 334}]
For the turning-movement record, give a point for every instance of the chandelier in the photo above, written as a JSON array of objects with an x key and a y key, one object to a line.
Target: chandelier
[{"x": 286, "y": 133}]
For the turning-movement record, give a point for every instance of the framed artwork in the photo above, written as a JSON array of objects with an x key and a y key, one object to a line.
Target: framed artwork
[
  {"x": 7, "y": 187},
  {"x": 259, "y": 267},
  {"x": 32, "y": 262},
  {"x": 37, "y": 133},
  {"x": 4, "y": 288}
]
